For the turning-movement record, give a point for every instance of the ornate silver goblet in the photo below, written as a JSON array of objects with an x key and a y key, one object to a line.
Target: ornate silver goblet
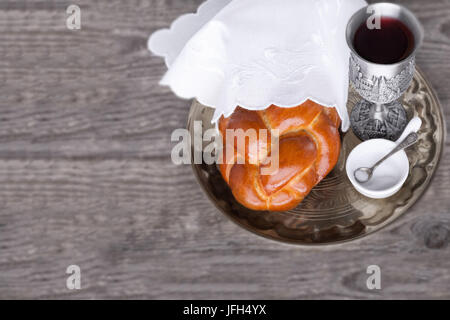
[{"x": 379, "y": 114}]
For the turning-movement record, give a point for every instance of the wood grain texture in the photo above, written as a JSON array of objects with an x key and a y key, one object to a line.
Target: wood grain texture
[{"x": 86, "y": 176}]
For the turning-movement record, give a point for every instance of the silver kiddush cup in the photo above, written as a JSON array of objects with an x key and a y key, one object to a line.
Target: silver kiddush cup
[{"x": 379, "y": 114}]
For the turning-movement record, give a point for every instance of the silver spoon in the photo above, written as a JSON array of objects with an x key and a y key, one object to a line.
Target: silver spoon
[{"x": 363, "y": 175}]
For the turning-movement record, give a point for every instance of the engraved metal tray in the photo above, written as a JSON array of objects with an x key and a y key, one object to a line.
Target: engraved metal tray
[{"x": 334, "y": 211}]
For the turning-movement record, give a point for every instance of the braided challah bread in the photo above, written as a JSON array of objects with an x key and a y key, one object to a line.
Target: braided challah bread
[{"x": 309, "y": 146}]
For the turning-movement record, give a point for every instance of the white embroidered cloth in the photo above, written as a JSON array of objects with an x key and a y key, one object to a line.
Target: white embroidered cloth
[{"x": 255, "y": 53}]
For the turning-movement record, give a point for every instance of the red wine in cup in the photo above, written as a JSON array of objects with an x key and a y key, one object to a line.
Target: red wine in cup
[{"x": 390, "y": 44}]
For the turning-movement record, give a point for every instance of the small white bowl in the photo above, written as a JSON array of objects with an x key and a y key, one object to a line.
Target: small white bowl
[{"x": 388, "y": 178}]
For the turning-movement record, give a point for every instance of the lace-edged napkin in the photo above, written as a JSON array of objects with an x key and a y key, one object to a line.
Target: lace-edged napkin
[{"x": 255, "y": 53}]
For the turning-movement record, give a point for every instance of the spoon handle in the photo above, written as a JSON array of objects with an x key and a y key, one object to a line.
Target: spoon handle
[{"x": 408, "y": 141}]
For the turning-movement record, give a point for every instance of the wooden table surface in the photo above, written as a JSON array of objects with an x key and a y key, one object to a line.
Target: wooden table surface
[{"x": 86, "y": 176}]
